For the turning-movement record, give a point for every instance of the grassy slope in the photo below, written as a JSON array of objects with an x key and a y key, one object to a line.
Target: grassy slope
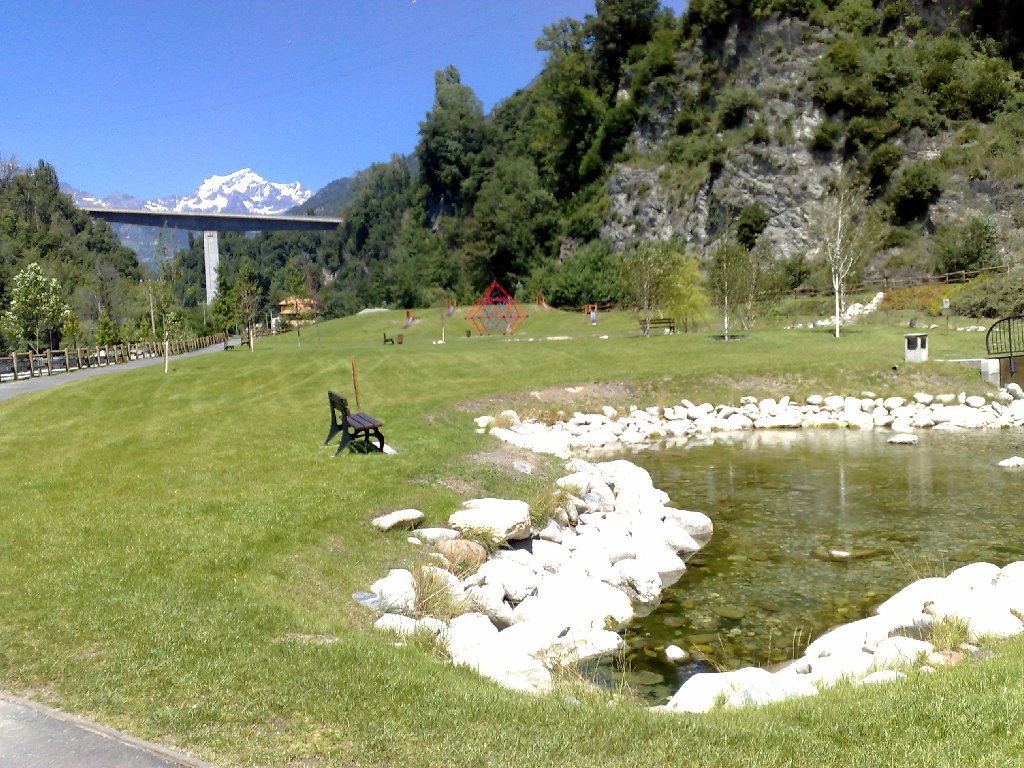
[{"x": 167, "y": 541}]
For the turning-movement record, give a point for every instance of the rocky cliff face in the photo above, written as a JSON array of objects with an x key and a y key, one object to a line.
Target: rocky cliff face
[{"x": 649, "y": 198}]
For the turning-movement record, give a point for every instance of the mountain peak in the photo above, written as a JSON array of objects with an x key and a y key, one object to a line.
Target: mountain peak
[{"x": 243, "y": 191}]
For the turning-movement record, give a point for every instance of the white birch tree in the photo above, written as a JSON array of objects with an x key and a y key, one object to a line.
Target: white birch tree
[{"x": 847, "y": 233}]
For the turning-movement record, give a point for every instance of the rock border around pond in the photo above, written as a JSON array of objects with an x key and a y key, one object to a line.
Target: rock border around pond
[
  {"x": 557, "y": 594},
  {"x": 607, "y": 430}
]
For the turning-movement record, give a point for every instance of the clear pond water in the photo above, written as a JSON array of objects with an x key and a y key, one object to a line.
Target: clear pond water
[{"x": 814, "y": 528}]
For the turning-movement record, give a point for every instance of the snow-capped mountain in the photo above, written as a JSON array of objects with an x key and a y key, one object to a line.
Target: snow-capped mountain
[{"x": 243, "y": 191}]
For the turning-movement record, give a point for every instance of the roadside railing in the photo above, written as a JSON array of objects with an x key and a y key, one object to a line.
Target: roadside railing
[{"x": 25, "y": 365}]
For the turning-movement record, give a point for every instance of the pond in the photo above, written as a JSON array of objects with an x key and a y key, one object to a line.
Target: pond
[{"x": 814, "y": 528}]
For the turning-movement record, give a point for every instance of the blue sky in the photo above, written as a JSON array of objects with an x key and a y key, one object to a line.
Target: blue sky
[{"x": 150, "y": 97}]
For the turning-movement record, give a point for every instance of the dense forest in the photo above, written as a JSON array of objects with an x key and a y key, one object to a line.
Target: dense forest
[{"x": 719, "y": 136}]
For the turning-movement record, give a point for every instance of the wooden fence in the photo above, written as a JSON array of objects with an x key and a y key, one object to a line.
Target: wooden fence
[{"x": 24, "y": 365}]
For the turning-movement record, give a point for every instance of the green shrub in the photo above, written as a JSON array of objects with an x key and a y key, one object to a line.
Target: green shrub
[
  {"x": 592, "y": 275},
  {"x": 968, "y": 246},
  {"x": 825, "y": 135},
  {"x": 881, "y": 163},
  {"x": 732, "y": 104},
  {"x": 992, "y": 296},
  {"x": 913, "y": 190},
  {"x": 750, "y": 224}
]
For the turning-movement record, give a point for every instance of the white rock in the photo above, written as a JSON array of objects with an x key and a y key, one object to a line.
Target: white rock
[
  {"x": 975, "y": 401},
  {"x": 893, "y": 402},
  {"x": 397, "y": 623},
  {"x": 517, "y": 581},
  {"x": 903, "y": 439},
  {"x": 834, "y": 403},
  {"x": 913, "y": 597},
  {"x": 642, "y": 584},
  {"x": 984, "y": 611},
  {"x": 901, "y": 651},
  {"x": 697, "y": 524},
  {"x": 702, "y": 691},
  {"x": 397, "y": 591},
  {"x": 518, "y": 671},
  {"x": 974, "y": 575},
  {"x": 508, "y": 519},
  {"x": 406, "y": 518},
  {"x": 777, "y": 688},
  {"x": 675, "y": 654},
  {"x": 1013, "y": 462},
  {"x": 434, "y": 535},
  {"x": 484, "y": 421},
  {"x": 855, "y": 635},
  {"x": 882, "y": 676},
  {"x": 579, "y": 600},
  {"x": 489, "y": 599},
  {"x": 468, "y": 632},
  {"x": 666, "y": 562},
  {"x": 923, "y": 398},
  {"x": 447, "y": 578}
]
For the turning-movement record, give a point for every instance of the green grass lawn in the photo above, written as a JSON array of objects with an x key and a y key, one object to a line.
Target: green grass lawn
[{"x": 178, "y": 553}]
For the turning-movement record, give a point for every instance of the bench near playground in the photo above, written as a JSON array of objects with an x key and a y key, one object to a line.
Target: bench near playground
[
  {"x": 646, "y": 324},
  {"x": 352, "y": 426}
]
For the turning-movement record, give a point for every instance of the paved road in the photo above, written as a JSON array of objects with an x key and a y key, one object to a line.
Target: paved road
[
  {"x": 34, "y": 736},
  {"x": 9, "y": 389}
]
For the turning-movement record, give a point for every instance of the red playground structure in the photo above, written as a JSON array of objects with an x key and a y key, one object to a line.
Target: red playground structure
[{"x": 495, "y": 312}]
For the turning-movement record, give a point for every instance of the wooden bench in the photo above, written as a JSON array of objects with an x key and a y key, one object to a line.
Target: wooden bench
[
  {"x": 352, "y": 425},
  {"x": 657, "y": 322}
]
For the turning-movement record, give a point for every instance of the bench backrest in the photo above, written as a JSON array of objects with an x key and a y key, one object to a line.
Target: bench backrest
[{"x": 338, "y": 403}]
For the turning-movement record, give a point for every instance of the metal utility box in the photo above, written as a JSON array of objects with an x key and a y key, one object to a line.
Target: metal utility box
[{"x": 915, "y": 347}]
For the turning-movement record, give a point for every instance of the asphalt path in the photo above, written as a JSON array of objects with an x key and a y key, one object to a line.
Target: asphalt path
[
  {"x": 35, "y": 736},
  {"x": 9, "y": 389}
]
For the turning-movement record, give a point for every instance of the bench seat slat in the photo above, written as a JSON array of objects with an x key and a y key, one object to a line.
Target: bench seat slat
[{"x": 362, "y": 421}]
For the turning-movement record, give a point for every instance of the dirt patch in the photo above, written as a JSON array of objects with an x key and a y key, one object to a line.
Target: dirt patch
[
  {"x": 300, "y": 637},
  {"x": 511, "y": 460}
]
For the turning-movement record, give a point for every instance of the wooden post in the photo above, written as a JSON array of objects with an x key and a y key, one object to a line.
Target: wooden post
[
  {"x": 14, "y": 364},
  {"x": 167, "y": 352},
  {"x": 49, "y": 363},
  {"x": 355, "y": 385}
]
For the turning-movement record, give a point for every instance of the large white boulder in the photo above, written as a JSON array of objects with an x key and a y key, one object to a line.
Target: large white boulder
[
  {"x": 641, "y": 583},
  {"x": 901, "y": 651},
  {"x": 400, "y": 518},
  {"x": 767, "y": 691},
  {"x": 507, "y": 519},
  {"x": 580, "y": 601},
  {"x": 516, "y": 580},
  {"x": 467, "y": 633},
  {"x": 702, "y": 691},
  {"x": 697, "y": 524}
]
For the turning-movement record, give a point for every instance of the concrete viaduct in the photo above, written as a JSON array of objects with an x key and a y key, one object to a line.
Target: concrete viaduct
[{"x": 210, "y": 224}]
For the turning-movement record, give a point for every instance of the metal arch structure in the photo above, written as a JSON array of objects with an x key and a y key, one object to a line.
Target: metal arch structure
[
  {"x": 495, "y": 312},
  {"x": 1005, "y": 342},
  {"x": 210, "y": 224}
]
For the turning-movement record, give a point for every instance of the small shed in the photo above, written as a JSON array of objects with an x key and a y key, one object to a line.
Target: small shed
[
  {"x": 1005, "y": 342},
  {"x": 915, "y": 347}
]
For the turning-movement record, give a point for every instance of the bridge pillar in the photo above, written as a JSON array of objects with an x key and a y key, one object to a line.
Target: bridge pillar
[{"x": 212, "y": 259}]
